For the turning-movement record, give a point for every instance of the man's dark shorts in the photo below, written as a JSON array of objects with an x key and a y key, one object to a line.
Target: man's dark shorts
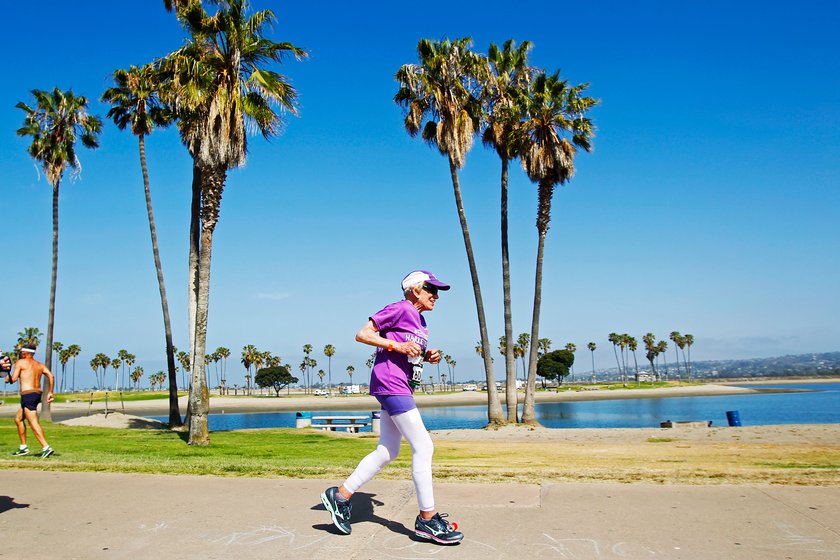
[{"x": 30, "y": 401}]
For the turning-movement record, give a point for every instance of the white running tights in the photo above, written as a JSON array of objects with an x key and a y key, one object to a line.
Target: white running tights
[{"x": 408, "y": 425}]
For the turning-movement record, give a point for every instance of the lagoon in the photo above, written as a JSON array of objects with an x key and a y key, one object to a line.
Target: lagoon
[{"x": 808, "y": 403}]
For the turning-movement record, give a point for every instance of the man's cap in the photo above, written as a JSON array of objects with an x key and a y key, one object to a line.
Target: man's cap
[{"x": 422, "y": 276}]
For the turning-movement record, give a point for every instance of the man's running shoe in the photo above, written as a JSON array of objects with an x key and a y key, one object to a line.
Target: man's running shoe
[
  {"x": 437, "y": 529},
  {"x": 47, "y": 451},
  {"x": 24, "y": 451},
  {"x": 339, "y": 509}
]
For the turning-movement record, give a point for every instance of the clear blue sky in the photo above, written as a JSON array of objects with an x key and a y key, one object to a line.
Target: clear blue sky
[{"x": 708, "y": 206}]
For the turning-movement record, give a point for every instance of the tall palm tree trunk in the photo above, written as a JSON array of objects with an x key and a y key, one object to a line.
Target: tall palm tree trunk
[
  {"x": 528, "y": 413},
  {"x": 192, "y": 276},
  {"x": 195, "y": 240},
  {"x": 213, "y": 181},
  {"x": 494, "y": 407},
  {"x": 510, "y": 360},
  {"x": 46, "y": 412},
  {"x": 174, "y": 411},
  {"x": 543, "y": 217}
]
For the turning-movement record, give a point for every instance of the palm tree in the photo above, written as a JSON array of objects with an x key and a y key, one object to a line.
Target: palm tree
[
  {"x": 129, "y": 360},
  {"x": 508, "y": 78},
  {"x": 136, "y": 376},
  {"x": 184, "y": 360},
  {"x": 452, "y": 364},
  {"x": 633, "y": 345},
  {"x": 307, "y": 349},
  {"x": 215, "y": 359},
  {"x": 104, "y": 361},
  {"x": 29, "y": 336},
  {"x": 329, "y": 352},
  {"x": 689, "y": 340},
  {"x": 677, "y": 339},
  {"x": 224, "y": 354},
  {"x": 220, "y": 88},
  {"x": 302, "y": 368},
  {"x": 350, "y": 370},
  {"x": 136, "y": 104},
  {"x": 249, "y": 352},
  {"x": 660, "y": 349},
  {"x": 321, "y": 375},
  {"x": 94, "y": 365},
  {"x": 651, "y": 352},
  {"x": 312, "y": 364},
  {"x": 57, "y": 120},
  {"x": 555, "y": 123},
  {"x": 522, "y": 345},
  {"x": 116, "y": 363},
  {"x": 614, "y": 338},
  {"x": 74, "y": 350},
  {"x": 447, "y": 359},
  {"x": 544, "y": 345},
  {"x": 258, "y": 359},
  {"x": 623, "y": 342},
  {"x": 572, "y": 348},
  {"x": 440, "y": 97},
  {"x": 122, "y": 354},
  {"x": 64, "y": 357},
  {"x": 57, "y": 347},
  {"x": 591, "y": 346}
]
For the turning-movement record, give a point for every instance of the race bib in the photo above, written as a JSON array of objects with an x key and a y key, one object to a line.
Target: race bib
[{"x": 416, "y": 371}]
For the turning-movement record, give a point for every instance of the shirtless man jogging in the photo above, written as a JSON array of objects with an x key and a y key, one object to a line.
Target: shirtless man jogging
[{"x": 29, "y": 371}]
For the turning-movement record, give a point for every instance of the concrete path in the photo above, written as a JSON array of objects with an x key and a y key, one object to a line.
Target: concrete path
[{"x": 49, "y": 515}]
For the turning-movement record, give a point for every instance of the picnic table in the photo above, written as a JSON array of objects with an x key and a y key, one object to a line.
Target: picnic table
[{"x": 351, "y": 424}]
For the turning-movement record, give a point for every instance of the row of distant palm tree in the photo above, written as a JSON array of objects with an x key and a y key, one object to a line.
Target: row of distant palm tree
[
  {"x": 452, "y": 95},
  {"x": 308, "y": 364},
  {"x": 520, "y": 348},
  {"x": 625, "y": 346},
  {"x": 253, "y": 357}
]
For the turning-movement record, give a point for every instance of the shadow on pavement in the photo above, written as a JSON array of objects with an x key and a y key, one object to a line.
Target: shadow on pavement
[
  {"x": 7, "y": 503},
  {"x": 363, "y": 512}
]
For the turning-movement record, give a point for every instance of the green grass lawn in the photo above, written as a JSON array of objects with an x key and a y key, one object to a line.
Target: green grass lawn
[{"x": 262, "y": 453}]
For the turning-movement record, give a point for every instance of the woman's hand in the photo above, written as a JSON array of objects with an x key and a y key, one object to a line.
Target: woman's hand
[
  {"x": 410, "y": 349},
  {"x": 432, "y": 356}
]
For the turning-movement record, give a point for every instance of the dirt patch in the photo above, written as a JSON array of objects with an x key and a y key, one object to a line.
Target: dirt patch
[{"x": 115, "y": 420}]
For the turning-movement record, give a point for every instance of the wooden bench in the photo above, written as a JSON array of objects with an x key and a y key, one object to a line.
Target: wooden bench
[{"x": 351, "y": 424}]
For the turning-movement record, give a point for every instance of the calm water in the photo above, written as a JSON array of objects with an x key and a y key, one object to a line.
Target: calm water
[{"x": 819, "y": 405}]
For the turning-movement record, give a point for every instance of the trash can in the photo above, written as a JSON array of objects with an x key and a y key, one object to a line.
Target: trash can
[
  {"x": 303, "y": 419},
  {"x": 733, "y": 417},
  {"x": 374, "y": 421}
]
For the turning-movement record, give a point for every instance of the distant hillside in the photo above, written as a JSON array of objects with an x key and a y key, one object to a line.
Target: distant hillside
[
  {"x": 812, "y": 365},
  {"x": 803, "y": 364}
]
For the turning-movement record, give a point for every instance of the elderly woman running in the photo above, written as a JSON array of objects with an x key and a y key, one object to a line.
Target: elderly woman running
[{"x": 400, "y": 336}]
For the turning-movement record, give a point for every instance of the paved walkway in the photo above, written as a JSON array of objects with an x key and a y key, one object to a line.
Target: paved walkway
[{"x": 90, "y": 516}]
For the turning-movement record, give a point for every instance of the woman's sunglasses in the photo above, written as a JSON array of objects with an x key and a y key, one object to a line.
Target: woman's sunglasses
[{"x": 431, "y": 289}]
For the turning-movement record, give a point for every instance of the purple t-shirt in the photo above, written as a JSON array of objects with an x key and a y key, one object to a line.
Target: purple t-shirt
[{"x": 400, "y": 322}]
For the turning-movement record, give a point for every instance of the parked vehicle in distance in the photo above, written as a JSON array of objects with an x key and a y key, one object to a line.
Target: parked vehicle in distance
[
  {"x": 351, "y": 390},
  {"x": 320, "y": 393},
  {"x": 470, "y": 387}
]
